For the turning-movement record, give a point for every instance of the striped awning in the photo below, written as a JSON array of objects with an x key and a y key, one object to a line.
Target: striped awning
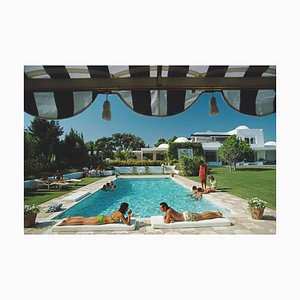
[{"x": 58, "y": 92}]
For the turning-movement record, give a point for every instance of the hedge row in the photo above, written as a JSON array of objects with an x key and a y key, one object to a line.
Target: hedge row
[{"x": 130, "y": 163}]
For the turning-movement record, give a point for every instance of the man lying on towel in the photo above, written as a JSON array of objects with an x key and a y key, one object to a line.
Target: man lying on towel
[{"x": 171, "y": 215}]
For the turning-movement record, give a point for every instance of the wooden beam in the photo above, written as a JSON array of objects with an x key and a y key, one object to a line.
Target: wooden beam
[{"x": 149, "y": 83}]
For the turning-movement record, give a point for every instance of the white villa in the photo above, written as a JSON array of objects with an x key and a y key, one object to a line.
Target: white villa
[{"x": 211, "y": 141}]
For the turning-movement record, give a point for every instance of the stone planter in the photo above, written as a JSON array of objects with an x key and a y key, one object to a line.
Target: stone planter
[
  {"x": 29, "y": 220},
  {"x": 257, "y": 213}
]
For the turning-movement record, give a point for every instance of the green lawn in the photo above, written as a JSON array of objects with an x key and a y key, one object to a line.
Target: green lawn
[
  {"x": 44, "y": 195},
  {"x": 247, "y": 182}
]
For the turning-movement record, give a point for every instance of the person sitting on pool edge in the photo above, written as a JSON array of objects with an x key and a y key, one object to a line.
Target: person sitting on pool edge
[
  {"x": 116, "y": 216},
  {"x": 171, "y": 215},
  {"x": 213, "y": 184}
]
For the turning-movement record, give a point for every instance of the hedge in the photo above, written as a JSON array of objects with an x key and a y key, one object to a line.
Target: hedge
[
  {"x": 131, "y": 163},
  {"x": 173, "y": 149}
]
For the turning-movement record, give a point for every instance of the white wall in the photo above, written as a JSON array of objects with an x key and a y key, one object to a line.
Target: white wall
[
  {"x": 260, "y": 154},
  {"x": 141, "y": 170},
  {"x": 250, "y": 133}
]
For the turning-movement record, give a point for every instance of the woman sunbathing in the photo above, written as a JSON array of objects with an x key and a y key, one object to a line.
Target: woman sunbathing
[{"x": 116, "y": 216}]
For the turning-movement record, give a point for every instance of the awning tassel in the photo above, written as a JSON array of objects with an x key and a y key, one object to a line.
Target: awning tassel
[
  {"x": 106, "y": 114},
  {"x": 213, "y": 107}
]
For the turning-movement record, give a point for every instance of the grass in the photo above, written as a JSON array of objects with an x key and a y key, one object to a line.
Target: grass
[
  {"x": 247, "y": 182},
  {"x": 43, "y": 195}
]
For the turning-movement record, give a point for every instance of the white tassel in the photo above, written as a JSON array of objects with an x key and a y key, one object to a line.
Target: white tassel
[{"x": 106, "y": 114}]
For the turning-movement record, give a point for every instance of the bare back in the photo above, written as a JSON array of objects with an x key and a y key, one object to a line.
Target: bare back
[{"x": 172, "y": 215}]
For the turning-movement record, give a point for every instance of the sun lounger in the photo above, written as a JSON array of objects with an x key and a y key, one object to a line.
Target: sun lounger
[
  {"x": 73, "y": 181},
  {"x": 59, "y": 184},
  {"x": 95, "y": 228},
  {"x": 157, "y": 222}
]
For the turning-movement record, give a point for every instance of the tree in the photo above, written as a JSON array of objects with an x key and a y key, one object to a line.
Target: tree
[
  {"x": 74, "y": 150},
  {"x": 172, "y": 139},
  {"x": 30, "y": 146},
  {"x": 46, "y": 135},
  {"x": 234, "y": 150},
  {"x": 124, "y": 155},
  {"x": 105, "y": 146},
  {"x": 160, "y": 141},
  {"x": 127, "y": 141}
]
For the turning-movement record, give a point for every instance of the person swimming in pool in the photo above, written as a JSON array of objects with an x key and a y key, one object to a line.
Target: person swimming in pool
[
  {"x": 194, "y": 190},
  {"x": 171, "y": 215},
  {"x": 116, "y": 216},
  {"x": 199, "y": 193}
]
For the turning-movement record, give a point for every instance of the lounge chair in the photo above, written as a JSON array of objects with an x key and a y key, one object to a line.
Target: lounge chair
[
  {"x": 58, "y": 184},
  {"x": 95, "y": 228},
  {"x": 41, "y": 184},
  {"x": 73, "y": 181},
  {"x": 157, "y": 222}
]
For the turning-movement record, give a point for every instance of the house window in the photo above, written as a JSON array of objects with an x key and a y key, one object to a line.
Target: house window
[
  {"x": 210, "y": 156},
  {"x": 250, "y": 140}
]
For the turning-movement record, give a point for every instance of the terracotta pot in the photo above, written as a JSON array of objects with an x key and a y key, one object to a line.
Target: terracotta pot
[
  {"x": 29, "y": 220},
  {"x": 257, "y": 213}
]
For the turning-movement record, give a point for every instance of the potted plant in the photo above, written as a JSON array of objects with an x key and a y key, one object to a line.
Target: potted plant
[
  {"x": 30, "y": 212},
  {"x": 256, "y": 207}
]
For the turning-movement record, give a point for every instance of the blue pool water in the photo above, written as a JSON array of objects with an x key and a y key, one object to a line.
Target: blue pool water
[{"x": 143, "y": 196}]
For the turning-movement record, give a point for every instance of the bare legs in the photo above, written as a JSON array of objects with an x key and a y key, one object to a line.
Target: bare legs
[
  {"x": 209, "y": 215},
  {"x": 79, "y": 221},
  {"x": 203, "y": 184}
]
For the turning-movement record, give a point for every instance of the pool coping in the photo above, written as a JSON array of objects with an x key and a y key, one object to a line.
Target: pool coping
[{"x": 240, "y": 217}]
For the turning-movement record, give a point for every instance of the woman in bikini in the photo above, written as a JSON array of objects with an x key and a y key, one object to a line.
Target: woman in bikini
[{"x": 116, "y": 216}]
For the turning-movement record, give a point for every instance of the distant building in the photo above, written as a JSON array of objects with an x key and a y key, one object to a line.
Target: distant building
[{"x": 212, "y": 141}]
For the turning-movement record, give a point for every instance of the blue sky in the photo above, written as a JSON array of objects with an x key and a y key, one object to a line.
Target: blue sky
[{"x": 150, "y": 129}]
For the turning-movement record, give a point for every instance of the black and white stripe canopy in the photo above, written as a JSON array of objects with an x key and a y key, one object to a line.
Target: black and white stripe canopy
[{"x": 58, "y": 92}]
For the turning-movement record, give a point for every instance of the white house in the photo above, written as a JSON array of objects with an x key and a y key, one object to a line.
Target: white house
[{"x": 212, "y": 140}]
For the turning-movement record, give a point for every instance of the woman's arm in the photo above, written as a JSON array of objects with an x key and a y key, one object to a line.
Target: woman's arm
[{"x": 126, "y": 220}]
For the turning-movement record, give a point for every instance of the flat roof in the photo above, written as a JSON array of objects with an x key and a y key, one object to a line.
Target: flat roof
[{"x": 210, "y": 134}]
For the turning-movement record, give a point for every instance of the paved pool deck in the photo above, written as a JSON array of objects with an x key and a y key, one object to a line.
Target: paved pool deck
[{"x": 242, "y": 222}]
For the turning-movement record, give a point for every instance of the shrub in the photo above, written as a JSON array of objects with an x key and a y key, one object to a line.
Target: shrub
[
  {"x": 130, "y": 163},
  {"x": 147, "y": 170},
  {"x": 190, "y": 166},
  {"x": 134, "y": 170},
  {"x": 173, "y": 149}
]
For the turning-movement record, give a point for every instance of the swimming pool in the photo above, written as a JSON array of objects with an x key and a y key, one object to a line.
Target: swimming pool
[{"x": 143, "y": 196}]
